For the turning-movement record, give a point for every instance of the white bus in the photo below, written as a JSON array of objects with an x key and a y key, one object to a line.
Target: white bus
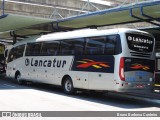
[{"x": 119, "y": 60}]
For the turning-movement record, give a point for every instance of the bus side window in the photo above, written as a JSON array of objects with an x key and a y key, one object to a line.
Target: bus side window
[
  {"x": 113, "y": 45},
  {"x": 20, "y": 51},
  {"x": 50, "y": 48},
  {"x": 72, "y": 47},
  {"x": 33, "y": 49},
  {"x": 95, "y": 45},
  {"x": 110, "y": 45},
  {"x": 11, "y": 55},
  {"x": 36, "y": 49},
  {"x": 103, "y": 45},
  {"x": 16, "y": 53},
  {"x": 29, "y": 49}
]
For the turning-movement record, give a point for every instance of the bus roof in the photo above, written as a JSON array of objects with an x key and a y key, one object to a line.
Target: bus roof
[{"x": 75, "y": 34}]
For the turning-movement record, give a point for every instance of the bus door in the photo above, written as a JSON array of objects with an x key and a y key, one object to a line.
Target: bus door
[
  {"x": 32, "y": 59},
  {"x": 35, "y": 72}
]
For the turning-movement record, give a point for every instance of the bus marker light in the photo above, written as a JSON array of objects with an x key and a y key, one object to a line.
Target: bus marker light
[{"x": 121, "y": 69}]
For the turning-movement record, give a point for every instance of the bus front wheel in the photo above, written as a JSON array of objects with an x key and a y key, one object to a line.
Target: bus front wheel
[
  {"x": 18, "y": 78},
  {"x": 68, "y": 86}
]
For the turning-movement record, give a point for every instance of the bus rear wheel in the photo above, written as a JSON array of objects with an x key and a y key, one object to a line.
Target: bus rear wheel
[{"x": 68, "y": 87}]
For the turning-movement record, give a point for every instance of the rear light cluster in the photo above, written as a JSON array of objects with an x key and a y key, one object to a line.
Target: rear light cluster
[{"x": 121, "y": 69}]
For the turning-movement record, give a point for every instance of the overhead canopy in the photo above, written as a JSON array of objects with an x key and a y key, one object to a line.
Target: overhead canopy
[
  {"x": 23, "y": 25},
  {"x": 153, "y": 30},
  {"x": 23, "y": 32},
  {"x": 14, "y": 22},
  {"x": 18, "y": 24},
  {"x": 144, "y": 11}
]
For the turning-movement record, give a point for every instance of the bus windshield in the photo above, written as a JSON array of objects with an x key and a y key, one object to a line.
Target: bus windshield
[{"x": 139, "y": 42}]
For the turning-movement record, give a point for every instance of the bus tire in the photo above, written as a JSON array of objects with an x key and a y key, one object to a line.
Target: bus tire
[
  {"x": 68, "y": 87},
  {"x": 18, "y": 78}
]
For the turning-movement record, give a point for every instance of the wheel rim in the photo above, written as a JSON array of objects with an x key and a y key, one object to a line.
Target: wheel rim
[{"x": 68, "y": 85}]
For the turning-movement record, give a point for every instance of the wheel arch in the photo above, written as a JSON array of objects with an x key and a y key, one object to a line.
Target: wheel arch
[
  {"x": 64, "y": 77},
  {"x": 16, "y": 73}
]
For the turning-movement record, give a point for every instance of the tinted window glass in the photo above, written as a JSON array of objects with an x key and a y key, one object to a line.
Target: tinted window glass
[
  {"x": 20, "y": 50},
  {"x": 16, "y": 52},
  {"x": 108, "y": 45},
  {"x": 11, "y": 54},
  {"x": 111, "y": 45},
  {"x": 72, "y": 47},
  {"x": 95, "y": 45},
  {"x": 49, "y": 49},
  {"x": 33, "y": 49}
]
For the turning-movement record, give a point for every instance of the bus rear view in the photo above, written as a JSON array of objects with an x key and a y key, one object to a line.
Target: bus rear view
[{"x": 137, "y": 62}]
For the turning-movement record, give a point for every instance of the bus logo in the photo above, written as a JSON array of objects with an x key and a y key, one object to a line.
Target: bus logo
[
  {"x": 27, "y": 62},
  {"x": 88, "y": 63},
  {"x": 140, "y": 66}
]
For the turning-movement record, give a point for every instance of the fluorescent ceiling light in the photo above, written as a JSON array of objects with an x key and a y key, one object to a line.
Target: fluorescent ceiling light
[{"x": 102, "y": 2}]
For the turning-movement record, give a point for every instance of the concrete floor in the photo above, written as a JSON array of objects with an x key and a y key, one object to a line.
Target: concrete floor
[{"x": 41, "y": 97}]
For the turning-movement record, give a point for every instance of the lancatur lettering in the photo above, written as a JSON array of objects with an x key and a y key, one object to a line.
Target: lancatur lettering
[{"x": 46, "y": 63}]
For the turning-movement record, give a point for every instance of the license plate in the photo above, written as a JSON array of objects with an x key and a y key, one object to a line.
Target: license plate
[{"x": 139, "y": 86}]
